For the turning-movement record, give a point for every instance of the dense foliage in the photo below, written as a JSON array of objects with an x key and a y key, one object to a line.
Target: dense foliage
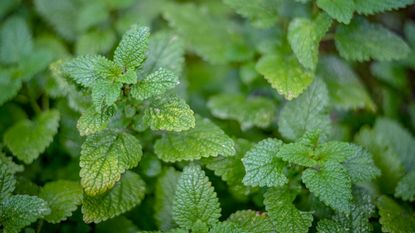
[{"x": 207, "y": 116}]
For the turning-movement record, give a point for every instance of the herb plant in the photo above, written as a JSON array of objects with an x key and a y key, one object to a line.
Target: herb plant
[{"x": 207, "y": 116}]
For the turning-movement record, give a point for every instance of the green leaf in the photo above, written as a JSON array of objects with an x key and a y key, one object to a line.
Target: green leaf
[
  {"x": 195, "y": 25},
  {"x": 406, "y": 187},
  {"x": 84, "y": 69},
  {"x": 285, "y": 74},
  {"x": 104, "y": 157},
  {"x": 164, "y": 51},
  {"x": 9, "y": 87},
  {"x": 231, "y": 169},
  {"x": 360, "y": 166},
  {"x": 262, "y": 13},
  {"x": 92, "y": 121},
  {"x": 369, "y": 7},
  {"x": 341, "y": 10},
  {"x": 304, "y": 36},
  {"x": 125, "y": 195},
  {"x": 60, "y": 14},
  {"x": 346, "y": 91},
  {"x": 204, "y": 140},
  {"x": 223, "y": 227},
  {"x": 195, "y": 199},
  {"x": 95, "y": 41},
  {"x": 251, "y": 221},
  {"x": 63, "y": 197},
  {"x": 19, "y": 211},
  {"x": 306, "y": 113},
  {"x": 361, "y": 41},
  {"x": 155, "y": 84},
  {"x": 301, "y": 152},
  {"x": 358, "y": 220},
  {"x": 129, "y": 77},
  {"x": 393, "y": 217},
  {"x": 263, "y": 167},
  {"x": 7, "y": 181},
  {"x": 105, "y": 93},
  {"x": 249, "y": 112},
  {"x": 119, "y": 224},
  {"x": 331, "y": 184},
  {"x": 11, "y": 166},
  {"x": 165, "y": 190},
  {"x": 28, "y": 139},
  {"x": 15, "y": 40},
  {"x": 131, "y": 51},
  {"x": 169, "y": 113},
  {"x": 282, "y": 212}
]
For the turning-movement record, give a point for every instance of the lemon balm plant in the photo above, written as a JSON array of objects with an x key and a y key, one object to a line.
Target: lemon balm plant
[{"x": 207, "y": 116}]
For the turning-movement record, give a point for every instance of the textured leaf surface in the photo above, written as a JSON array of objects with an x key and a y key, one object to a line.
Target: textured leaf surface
[
  {"x": 263, "y": 167},
  {"x": 304, "y": 36},
  {"x": 369, "y": 7},
  {"x": 331, "y": 184},
  {"x": 7, "y": 181},
  {"x": 63, "y": 197},
  {"x": 84, "y": 69},
  {"x": 104, "y": 157},
  {"x": 130, "y": 53},
  {"x": 165, "y": 190},
  {"x": 361, "y": 166},
  {"x": 306, "y": 113},
  {"x": 195, "y": 199},
  {"x": 204, "y": 140},
  {"x": 92, "y": 121},
  {"x": 155, "y": 84},
  {"x": 105, "y": 93},
  {"x": 251, "y": 221},
  {"x": 169, "y": 113},
  {"x": 406, "y": 187},
  {"x": 341, "y": 10},
  {"x": 285, "y": 74},
  {"x": 126, "y": 194},
  {"x": 361, "y": 41},
  {"x": 27, "y": 139},
  {"x": 393, "y": 217},
  {"x": 283, "y": 213},
  {"x": 15, "y": 40},
  {"x": 19, "y": 211},
  {"x": 249, "y": 112}
]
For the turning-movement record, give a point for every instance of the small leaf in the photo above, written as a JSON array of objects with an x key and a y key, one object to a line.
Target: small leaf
[
  {"x": 195, "y": 199},
  {"x": 406, "y": 187},
  {"x": 249, "y": 112},
  {"x": 369, "y": 7},
  {"x": 357, "y": 41},
  {"x": 155, "y": 84},
  {"x": 28, "y": 139},
  {"x": 130, "y": 53},
  {"x": 285, "y": 74},
  {"x": 63, "y": 197},
  {"x": 104, "y": 157},
  {"x": 341, "y": 10},
  {"x": 7, "y": 181},
  {"x": 393, "y": 217},
  {"x": 331, "y": 184},
  {"x": 263, "y": 167},
  {"x": 19, "y": 211},
  {"x": 262, "y": 13},
  {"x": 84, "y": 69},
  {"x": 204, "y": 140},
  {"x": 360, "y": 166},
  {"x": 282, "y": 212},
  {"x": 126, "y": 194},
  {"x": 306, "y": 113},
  {"x": 105, "y": 93},
  {"x": 169, "y": 113},
  {"x": 251, "y": 221},
  {"x": 15, "y": 40},
  {"x": 304, "y": 37}
]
